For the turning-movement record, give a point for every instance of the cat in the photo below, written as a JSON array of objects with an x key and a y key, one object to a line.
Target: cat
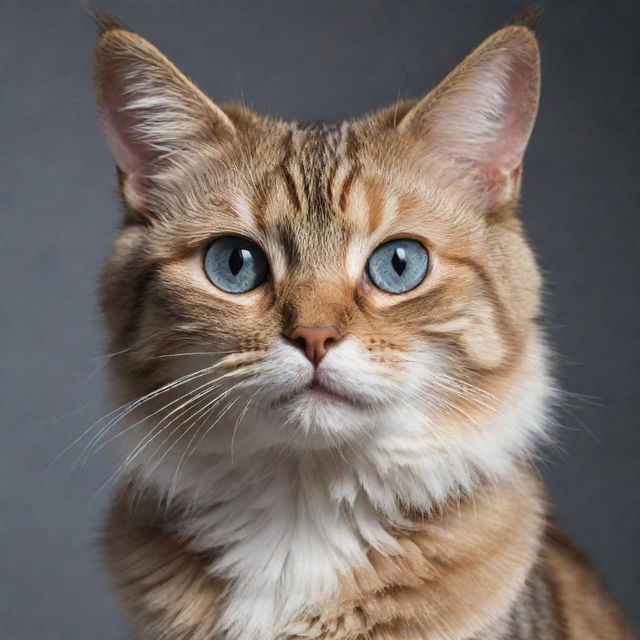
[{"x": 333, "y": 376}]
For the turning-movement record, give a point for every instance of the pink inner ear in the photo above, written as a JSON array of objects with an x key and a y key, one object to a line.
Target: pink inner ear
[
  {"x": 483, "y": 118},
  {"x": 132, "y": 154},
  {"x": 520, "y": 92},
  {"x": 484, "y": 111}
]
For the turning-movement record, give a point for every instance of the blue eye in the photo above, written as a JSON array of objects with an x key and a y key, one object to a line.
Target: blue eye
[
  {"x": 235, "y": 265},
  {"x": 398, "y": 265}
]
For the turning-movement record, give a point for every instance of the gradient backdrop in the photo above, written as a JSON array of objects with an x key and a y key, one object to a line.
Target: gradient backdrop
[{"x": 305, "y": 60}]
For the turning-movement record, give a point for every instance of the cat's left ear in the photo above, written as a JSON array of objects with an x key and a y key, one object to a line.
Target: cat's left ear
[
  {"x": 481, "y": 115},
  {"x": 151, "y": 114}
]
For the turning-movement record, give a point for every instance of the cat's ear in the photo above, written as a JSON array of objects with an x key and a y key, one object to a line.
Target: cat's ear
[
  {"x": 481, "y": 115},
  {"x": 150, "y": 112}
]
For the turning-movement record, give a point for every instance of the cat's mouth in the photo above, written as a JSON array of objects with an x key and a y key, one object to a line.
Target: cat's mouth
[{"x": 319, "y": 392}]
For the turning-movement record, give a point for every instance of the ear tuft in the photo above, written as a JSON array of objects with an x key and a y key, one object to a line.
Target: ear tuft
[
  {"x": 529, "y": 17},
  {"x": 481, "y": 115},
  {"x": 107, "y": 22}
]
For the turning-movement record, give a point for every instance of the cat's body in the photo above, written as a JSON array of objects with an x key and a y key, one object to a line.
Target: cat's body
[
  {"x": 340, "y": 448},
  {"x": 488, "y": 569}
]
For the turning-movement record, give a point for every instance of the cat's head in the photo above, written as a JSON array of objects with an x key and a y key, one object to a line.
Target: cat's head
[{"x": 276, "y": 285}]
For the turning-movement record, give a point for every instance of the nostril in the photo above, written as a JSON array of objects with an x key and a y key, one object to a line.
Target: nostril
[
  {"x": 299, "y": 342},
  {"x": 329, "y": 340}
]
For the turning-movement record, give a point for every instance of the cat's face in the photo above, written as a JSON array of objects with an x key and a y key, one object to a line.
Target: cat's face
[{"x": 312, "y": 287}]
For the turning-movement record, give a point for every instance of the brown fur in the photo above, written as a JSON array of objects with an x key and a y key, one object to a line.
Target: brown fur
[{"x": 485, "y": 566}]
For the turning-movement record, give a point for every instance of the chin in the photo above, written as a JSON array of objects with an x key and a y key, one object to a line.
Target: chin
[{"x": 319, "y": 420}]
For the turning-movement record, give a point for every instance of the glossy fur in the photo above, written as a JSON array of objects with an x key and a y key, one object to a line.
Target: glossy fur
[{"x": 399, "y": 501}]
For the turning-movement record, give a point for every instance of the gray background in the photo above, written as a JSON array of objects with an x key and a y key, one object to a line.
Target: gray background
[{"x": 305, "y": 60}]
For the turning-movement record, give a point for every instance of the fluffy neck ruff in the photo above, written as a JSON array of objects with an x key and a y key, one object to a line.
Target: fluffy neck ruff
[
  {"x": 289, "y": 535},
  {"x": 448, "y": 575}
]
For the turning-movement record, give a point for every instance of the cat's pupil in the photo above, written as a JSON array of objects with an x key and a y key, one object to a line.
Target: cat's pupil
[
  {"x": 399, "y": 261},
  {"x": 236, "y": 260}
]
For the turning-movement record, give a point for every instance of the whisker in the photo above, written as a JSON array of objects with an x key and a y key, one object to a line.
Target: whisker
[
  {"x": 206, "y": 433},
  {"x": 206, "y": 408},
  {"x": 128, "y": 407},
  {"x": 194, "y": 353},
  {"x": 160, "y": 427},
  {"x": 90, "y": 449},
  {"x": 174, "y": 478}
]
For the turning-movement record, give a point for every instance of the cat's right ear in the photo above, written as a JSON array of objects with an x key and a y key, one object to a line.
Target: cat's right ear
[
  {"x": 151, "y": 114},
  {"x": 481, "y": 115}
]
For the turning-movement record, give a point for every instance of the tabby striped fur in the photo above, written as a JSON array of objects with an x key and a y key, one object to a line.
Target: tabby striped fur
[{"x": 400, "y": 503}]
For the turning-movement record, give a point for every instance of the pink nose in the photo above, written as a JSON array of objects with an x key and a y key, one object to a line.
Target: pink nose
[{"x": 315, "y": 341}]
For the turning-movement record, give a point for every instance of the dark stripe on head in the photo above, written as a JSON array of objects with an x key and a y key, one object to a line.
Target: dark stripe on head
[
  {"x": 292, "y": 190},
  {"x": 346, "y": 187},
  {"x": 262, "y": 191},
  {"x": 291, "y": 250},
  {"x": 351, "y": 154},
  {"x": 508, "y": 332}
]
